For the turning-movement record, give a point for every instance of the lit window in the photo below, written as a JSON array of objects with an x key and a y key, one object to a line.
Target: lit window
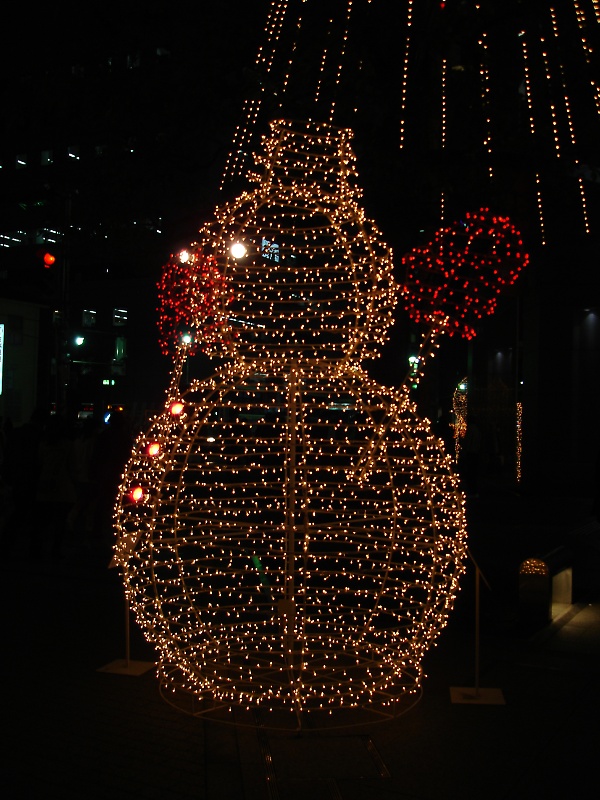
[
  {"x": 21, "y": 161},
  {"x": 119, "y": 316},
  {"x": 47, "y": 236},
  {"x": 269, "y": 250},
  {"x": 120, "y": 348},
  {"x": 47, "y": 158}
]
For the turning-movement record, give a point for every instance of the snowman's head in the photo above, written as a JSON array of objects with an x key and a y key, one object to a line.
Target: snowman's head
[{"x": 310, "y": 278}]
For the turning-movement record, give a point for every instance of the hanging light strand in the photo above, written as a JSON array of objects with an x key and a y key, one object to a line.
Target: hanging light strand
[
  {"x": 571, "y": 128},
  {"x": 341, "y": 59},
  {"x": 486, "y": 102},
  {"x": 405, "y": 63},
  {"x": 251, "y": 107}
]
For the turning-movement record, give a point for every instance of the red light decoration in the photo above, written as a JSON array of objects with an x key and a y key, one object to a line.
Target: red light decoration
[
  {"x": 48, "y": 258},
  {"x": 153, "y": 449},
  {"x": 192, "y": 296},
  {"x": 454, "y": 280},
  {"x": 176, "y": 408},
  {"x": 137, "y": 494}
]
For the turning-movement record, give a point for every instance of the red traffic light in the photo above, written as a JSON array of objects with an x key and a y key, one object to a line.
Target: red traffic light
[{"x": 47, "y": 257}]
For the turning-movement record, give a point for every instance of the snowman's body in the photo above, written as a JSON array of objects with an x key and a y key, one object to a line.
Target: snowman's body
[{"x": 299, "y": 533}]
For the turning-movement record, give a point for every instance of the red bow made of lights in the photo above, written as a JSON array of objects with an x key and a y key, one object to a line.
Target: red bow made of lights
[
  {"x": 191, "y": 296},
  {"x": 455, "y": 279}
]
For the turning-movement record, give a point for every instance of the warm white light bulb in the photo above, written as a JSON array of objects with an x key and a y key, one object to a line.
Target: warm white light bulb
[{"x": 238, "y": 250}]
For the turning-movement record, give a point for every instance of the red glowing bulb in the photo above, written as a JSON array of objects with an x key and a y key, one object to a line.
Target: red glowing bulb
[
  {"x": 137, "y": 494},
  {"x": 176, "y": 408}
]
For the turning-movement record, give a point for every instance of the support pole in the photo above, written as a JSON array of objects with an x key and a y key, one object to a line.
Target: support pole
[
  {"x": 126, "y": 666},
  {"x": 476, "y": 695}
]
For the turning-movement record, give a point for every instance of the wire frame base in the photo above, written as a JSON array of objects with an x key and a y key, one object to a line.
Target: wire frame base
[{"x": 384, "y": 707}]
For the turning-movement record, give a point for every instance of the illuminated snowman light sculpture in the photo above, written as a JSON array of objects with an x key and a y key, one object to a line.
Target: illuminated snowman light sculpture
[{"x": 290, "y": 533}]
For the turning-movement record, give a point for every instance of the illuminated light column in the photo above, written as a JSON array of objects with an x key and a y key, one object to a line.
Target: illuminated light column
[
  {"x": 289, "y": 64},
  {"x": 486, "y": 102},
  {"x": 540, "y": 207},
  {"x": 276, "y": 62},
  {"x": 444, "y": 73},
  {"x": 582, "y": 22},
  {"x": 311, "y": 53},
  {"x": 251, "y": 109},
  {"x": 552, "y": 106},
  {"x": 556, "y": 104},
  {"x": 519, "y": 441},
  {"x": 459, "y": 413},
  {"x": 269, "y": 570},
  {"x": 341, "y": 60},
  {"x": 444, "y": 122},
  {"x": 571, "y": 128},
  {"x": 527, "y": 81},
  {"x": 405, "y": 64}
]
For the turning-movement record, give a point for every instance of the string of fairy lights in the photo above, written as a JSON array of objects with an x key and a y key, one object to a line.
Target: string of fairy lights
[
  {"x": 265, "y": 569},
  {"x": 405, "y": 71},
  {"x": 548, "y": 77},
  {"x": 486, "y": 104},
  {"x": 571, "y": 128},
  {"x": 519, "y": 442},
  {"x": 275, "y": 62},
  {"x": 338, "y": 72},
  {"x": 264, "y": 63},
  {"x": 459, "y": 414}
]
